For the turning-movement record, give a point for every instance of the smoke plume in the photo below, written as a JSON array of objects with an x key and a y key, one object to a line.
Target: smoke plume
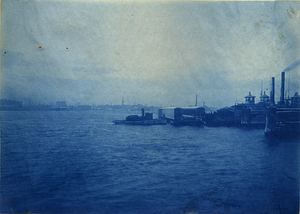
[{"x": 292, "y": 66}]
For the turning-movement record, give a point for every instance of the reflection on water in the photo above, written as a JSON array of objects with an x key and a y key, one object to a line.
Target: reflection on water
[
  {"x": 68, "y": 162},
  {"x": 283, "y": 156}
]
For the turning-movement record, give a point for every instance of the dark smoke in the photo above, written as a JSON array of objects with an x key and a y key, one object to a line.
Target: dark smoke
[{"x": 292, "y": 66}]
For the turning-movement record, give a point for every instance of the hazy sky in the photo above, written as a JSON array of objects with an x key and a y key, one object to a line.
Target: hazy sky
[{"x": 155, "y": 53}]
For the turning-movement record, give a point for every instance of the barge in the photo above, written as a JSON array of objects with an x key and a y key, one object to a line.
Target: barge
[{"x": 145, "y": 119}]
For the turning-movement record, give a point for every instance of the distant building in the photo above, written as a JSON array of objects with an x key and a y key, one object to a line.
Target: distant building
[
  {"x": 61, "y": 104},
  {"x": 10, "y": 103}
]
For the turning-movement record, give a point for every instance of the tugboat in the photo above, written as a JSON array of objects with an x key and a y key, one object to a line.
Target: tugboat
[{"x": 145, "y": 119}]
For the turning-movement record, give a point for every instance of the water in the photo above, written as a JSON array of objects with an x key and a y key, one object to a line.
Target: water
[{"x": 79, "y": 162}]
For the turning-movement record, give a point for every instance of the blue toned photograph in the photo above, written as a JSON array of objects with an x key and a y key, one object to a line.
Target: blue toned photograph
[{"x": 150, "y": 107}]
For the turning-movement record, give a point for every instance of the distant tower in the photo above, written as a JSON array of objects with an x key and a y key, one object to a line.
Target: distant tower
[{"x": 250, "y": 99}]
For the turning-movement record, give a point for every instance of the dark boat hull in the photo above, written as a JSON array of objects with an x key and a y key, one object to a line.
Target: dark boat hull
[
  {"x": 283, "y": 122},
  {"x": 142, "y": 122}
]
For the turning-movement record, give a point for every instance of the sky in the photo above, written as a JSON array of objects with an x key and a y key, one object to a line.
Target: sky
[{"x": 152, "y": 53}]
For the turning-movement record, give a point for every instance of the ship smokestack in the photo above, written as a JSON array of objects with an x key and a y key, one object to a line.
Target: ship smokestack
[
  {"x": 272, "y": 95},
  {"x": 282, "y": 87}
]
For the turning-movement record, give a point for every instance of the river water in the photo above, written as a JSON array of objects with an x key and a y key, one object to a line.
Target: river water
[{"x": 79, "y": 162}]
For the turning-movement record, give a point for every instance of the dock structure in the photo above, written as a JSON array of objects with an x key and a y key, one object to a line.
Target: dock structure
[
  {"x": 255, "y": 114},
  {"x": 180, "y": 116}
]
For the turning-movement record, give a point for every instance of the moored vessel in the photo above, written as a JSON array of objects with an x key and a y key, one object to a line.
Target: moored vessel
[
  {"x": 145, "y": 119},
  {"x": 283, "y": 119}
]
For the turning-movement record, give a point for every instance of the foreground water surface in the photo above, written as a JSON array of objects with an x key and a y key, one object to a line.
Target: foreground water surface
[{"x": 79, "y": 162}]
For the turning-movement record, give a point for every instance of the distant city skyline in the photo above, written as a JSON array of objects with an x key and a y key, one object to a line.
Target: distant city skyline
[
  {"x": 26, "y": 101},
  {"x": 154, "y": 53}
]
